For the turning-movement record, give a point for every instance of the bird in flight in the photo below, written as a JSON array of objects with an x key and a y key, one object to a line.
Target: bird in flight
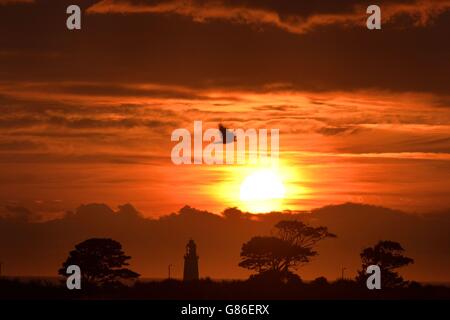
[{"x": 227, "y": 135}]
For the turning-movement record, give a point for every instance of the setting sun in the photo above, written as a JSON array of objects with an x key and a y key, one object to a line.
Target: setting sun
[
  {"x": 262, "y": 185},
  {"x": 262, "y": 191},
  {"x": 258, "y": 188}
]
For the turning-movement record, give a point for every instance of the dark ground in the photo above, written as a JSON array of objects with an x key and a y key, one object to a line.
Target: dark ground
[{"x": 11, "y": 289}]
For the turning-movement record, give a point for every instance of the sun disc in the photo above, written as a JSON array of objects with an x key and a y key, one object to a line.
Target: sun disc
[{"x": 262, "y": 185}]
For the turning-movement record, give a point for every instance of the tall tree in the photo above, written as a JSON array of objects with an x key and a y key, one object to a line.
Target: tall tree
[
  {"x": 388, "y": 255},
  {"x": 288, "y": 249},
  {"x": 101, "y": 262}
]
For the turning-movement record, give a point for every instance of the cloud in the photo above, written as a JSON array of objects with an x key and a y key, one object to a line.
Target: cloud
[
  {"x": 7, "y": 2},
  {"x": 98, "y": 113},
  {"x": 15, "y": 213},
  {"x": 88, "y": 123},
  {"x": 103, "y": 92},
  {"x": 98, "y": 157},
  {"x": 291, "y": 18},
  {"x": 17, "y": 145},
  {"x": 331, "y": 131},
  {"x": 83, "y": 123}
]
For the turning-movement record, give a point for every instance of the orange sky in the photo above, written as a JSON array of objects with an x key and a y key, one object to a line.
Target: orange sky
[
  {"x": 371, "y": 147},
  {"x": 87, "y": 115}
]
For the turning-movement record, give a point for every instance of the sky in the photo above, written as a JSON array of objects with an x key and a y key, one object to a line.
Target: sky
[{"x": 87, "y": 115}]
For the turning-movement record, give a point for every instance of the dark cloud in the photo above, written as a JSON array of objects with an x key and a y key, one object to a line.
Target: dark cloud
[
  {"x": 17, "y": 145},
  {"x": 274, "y": 108},
  {"x": 97, "y": 157},
  {"x": 11, "y": 2},
  {"x": 18, "y": 122},
  {"x": 154, "y": 243},
  {"x": 25, "y": 121},
  {"x": 171, "y": 49},
  {"x": 427, "y": 144},
  {"x": 131, "y": 90},
  {"x": 296, "y": 17},
  {"x": 15, "y": 213},
  {"x": 89, "y": 123},
  {"x": 331, "y": 131}
]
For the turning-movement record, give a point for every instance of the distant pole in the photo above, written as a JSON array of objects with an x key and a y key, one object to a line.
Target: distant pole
[
  {"x": 168, "y": 267},
  {"x": 342, "y": 273}
]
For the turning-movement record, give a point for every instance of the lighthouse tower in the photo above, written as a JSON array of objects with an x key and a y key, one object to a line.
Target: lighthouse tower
[{"x": 190, "y": 262}]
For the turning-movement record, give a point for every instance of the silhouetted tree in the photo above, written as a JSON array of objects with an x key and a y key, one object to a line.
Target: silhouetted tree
[
  {"x": 291, "y": 248},
  {"x": 101, "y": 262},
  {"x": 301, "y": 234},
  {"x": 388, "y": 255},
  {"x": 271, "y": 253},
  {"x": 320, "y": 282}
]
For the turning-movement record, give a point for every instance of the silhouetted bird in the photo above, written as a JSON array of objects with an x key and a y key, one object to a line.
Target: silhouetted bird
[{"x": 227, "y": 135}]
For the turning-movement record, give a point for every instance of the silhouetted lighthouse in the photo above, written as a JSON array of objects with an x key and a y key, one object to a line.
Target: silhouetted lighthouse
[{"x": 190, "y": 262}]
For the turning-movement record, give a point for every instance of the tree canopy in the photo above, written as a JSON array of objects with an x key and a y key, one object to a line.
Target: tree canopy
[
  {"x": 388, "y": 255},
  {"x": 298, "y": 233},
  {"x": 289, "y": 248},
  {"x": 101, "y": 262}
]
